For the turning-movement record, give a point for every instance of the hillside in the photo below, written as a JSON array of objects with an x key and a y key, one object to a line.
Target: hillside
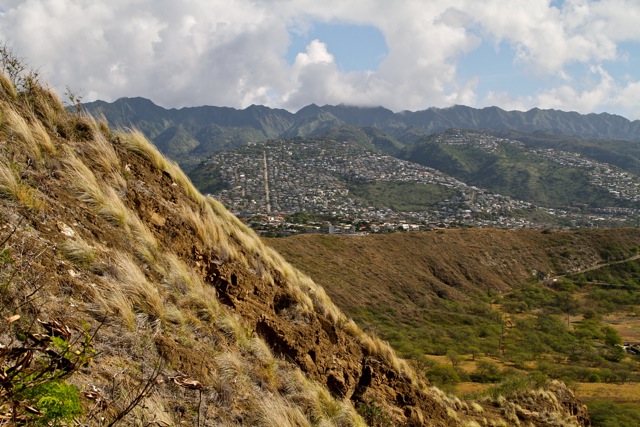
[
  {"x": 545, "y": 174},
  {"x": 477, "y": 306},
  {"x": 130, "y": 298},
  {"x": 405, "y": 274},
  {"x": 196, "y": 132}
]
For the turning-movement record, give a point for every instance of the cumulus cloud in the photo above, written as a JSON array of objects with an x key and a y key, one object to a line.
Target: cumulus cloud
[{"x": 232, "y": 53}]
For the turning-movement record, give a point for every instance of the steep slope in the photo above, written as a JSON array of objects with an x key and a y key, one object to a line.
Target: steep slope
[{"x": 195, "y": 321}]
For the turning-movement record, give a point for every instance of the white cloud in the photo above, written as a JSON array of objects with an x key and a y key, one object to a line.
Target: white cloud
[
  {"x": 225, "y": 52},
  {"x": 598, "y": 93}
]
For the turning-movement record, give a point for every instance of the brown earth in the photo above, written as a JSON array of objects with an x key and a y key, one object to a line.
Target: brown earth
[{"x": 409, "y": 271}]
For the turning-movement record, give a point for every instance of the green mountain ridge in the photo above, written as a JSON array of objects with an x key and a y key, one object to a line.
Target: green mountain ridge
[
  {"x": 547, "y": 176},
  {"x": 237, "y": 127}
]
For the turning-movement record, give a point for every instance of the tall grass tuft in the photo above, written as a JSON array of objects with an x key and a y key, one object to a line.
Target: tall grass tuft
[
  {"x": 12, "y": 188},
  {"x": 79, "y": 252},
  {"x": 17, "y": 132},
  {"x": 143, "y": 294},
  {"x": 135, "y": 141},
  {"x": 7, "y": 88},
  {"x": 8, "y": 182}
]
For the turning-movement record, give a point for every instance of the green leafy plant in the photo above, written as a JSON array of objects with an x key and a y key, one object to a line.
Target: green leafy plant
[
  {"x": 373, "y": 414},
  {"x": 35, "y": 367}
]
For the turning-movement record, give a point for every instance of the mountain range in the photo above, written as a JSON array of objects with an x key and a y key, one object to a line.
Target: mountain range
[{"x": 195, "y": 132}]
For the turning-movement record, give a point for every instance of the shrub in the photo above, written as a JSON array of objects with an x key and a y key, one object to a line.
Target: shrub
[
  {"x": 56, "y": 401},
  {"x": 33, "y": 387},
  {"x": 373, "y": 414},
  {"x": 611, "y": 414}
]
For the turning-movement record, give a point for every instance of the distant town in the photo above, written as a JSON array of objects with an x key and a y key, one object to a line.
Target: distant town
[{"x": 288, "y": 186}]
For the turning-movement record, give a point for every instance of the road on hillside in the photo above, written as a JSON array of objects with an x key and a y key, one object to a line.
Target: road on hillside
[{"x": 595, "y": 267}]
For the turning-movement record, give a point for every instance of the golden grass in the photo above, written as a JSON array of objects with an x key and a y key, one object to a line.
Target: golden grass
[
  {"x": 627, "y": 392},
  {"x": 231, "y": 369},
  {"x": 146, "y": 245},
  {"x": 231, "y": 326},
  {"x": 85, "y": 185},
  {"x": 261, "y": 350},
  {"x": 183, "y": 181},
  {"x": 135, "y": 141},
  {"x": 12, "y": 188},
  {"x": 135, "y": 285},
  {"x": 190, "y": 291},
  {"x": 83, "y": 182},
  {"x": 8, "y": 182},
  {"x": 42, "y": 138},
  {"x": 7, "y": 87},
  {"x": 78, "y": 251},
  {"x": 100, "y": 152},
  {"x": 317, "y": 403},
  {"x": 179, "y": 277},
  {"x": 273, "y": 412},
  {"x": 114, "y": 303},
  {"x": 111, "y": 208},
  {"x": 17, "y": 132},
  {"x": 128, "y": 294}
]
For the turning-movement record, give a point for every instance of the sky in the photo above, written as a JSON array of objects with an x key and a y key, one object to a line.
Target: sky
[{"x": 572, "y": 55}]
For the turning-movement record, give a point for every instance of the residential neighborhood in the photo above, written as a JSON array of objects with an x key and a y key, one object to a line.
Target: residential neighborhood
[{"x": 267, "y": 182}]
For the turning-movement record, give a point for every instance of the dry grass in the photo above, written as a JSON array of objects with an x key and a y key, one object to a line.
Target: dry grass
[
  {"x": 317, "y": 403},
  {"x": 78, "y": 251},
  {"x": 188, "y": 289},
  {"x": 143, "y": 294},
  {"x": 12, "y": 188},
  {"x": 274, "y": 412},
  {"x": 146, "y": 245},
  {"x": 8, "y": 182},
  {"x": 15, "y": 130},
  {"x": 153, "y": 413},
  {"x": 85, "y": 185},
  {"x": 135, "y": 141},
  {"x": 628, "y": 392},
  {"x": 82, "y": 180},
  {"x": 25, "y": 134},
  {"x": 100, "y": 152},
  {"x": 152, "y": 292},
  {"x": 232, "y": 326},
  {"x": 112, "y": 302},
  {"x": 183, "y": 181},
  {"x": 43, "y": 139},
  {"x": 7, "y": 87},
  {"x": 110, "y": 207}
]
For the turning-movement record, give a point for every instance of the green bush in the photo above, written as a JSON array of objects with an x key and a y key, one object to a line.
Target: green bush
[
  {"x": 514, "y": 384},
  {"x": 611, "y": 414},
  {"x": 55, "y": 400},
  {"x": 374, "y": 415},
  {"x": 443, "y": 376}
]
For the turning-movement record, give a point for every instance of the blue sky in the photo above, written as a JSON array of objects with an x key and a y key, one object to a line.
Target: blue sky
[
  {"x": 574, "y": 55},
  {"x": 354, "y": 47}
]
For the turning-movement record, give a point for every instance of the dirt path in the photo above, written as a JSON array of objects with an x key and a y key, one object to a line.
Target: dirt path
[{"x": 595, "y": 267}]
